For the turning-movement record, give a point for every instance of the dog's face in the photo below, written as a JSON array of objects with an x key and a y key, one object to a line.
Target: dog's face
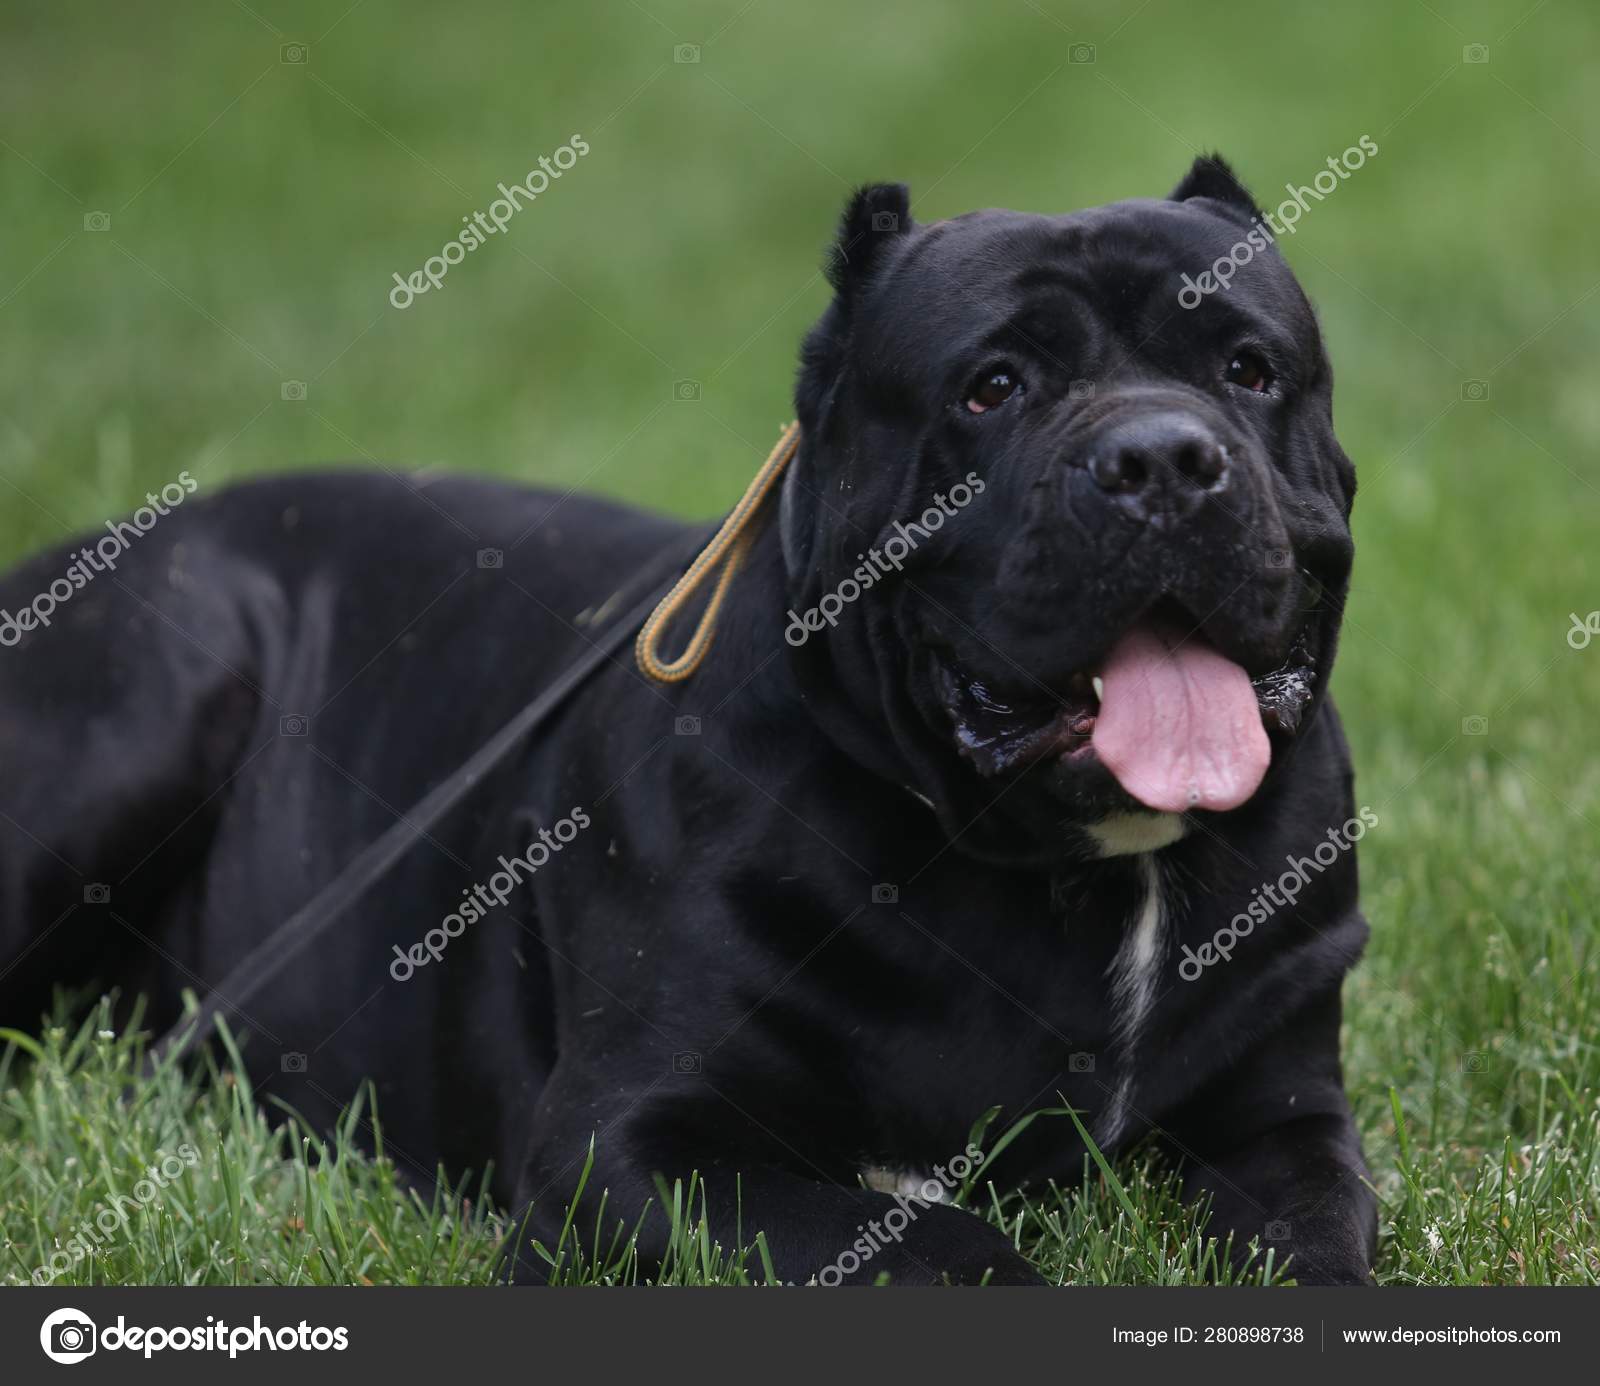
[{"x": 1080, "y": 545}]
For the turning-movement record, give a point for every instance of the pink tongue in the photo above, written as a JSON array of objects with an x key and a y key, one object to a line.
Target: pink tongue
[{"x": 1179, "y": 728}]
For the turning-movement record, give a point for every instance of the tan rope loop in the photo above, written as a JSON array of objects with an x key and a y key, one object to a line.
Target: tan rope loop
[{"x": 729, "y": 548}]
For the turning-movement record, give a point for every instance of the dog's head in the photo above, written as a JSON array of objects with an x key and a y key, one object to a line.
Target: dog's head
[{"x": 1067, "y": 535}]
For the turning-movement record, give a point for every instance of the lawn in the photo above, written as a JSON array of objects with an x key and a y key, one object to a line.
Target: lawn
[{"x": 204, "y": 207}]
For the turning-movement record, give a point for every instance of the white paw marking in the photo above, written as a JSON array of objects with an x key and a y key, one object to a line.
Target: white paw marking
[{"x": 907, "y": 1183}]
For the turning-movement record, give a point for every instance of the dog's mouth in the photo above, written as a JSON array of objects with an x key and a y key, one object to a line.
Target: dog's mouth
[{"x": 1177, "y": 723}]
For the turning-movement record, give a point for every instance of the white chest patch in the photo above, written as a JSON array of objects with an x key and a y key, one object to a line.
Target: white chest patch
[
  {"x": 1133, "y": 974},
  {"x": 1130, "y": 834}
]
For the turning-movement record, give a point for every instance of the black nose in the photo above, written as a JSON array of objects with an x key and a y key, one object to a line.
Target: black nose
[{"x": 1159, "y": 467}]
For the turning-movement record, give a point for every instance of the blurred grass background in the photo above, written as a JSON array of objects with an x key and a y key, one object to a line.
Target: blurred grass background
[{"x": 258, "y": 209}]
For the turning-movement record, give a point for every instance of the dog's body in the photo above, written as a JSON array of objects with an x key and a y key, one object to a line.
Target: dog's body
[{"x": 815, "y": 910}]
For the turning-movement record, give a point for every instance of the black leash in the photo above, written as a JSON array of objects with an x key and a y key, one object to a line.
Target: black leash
[{"x": 274, "y": 953}]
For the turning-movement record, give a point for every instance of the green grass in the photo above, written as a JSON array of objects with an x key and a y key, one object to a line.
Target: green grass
[
  {"x": 266, "y": 1200},
  {"x": 259, "y": 209}
]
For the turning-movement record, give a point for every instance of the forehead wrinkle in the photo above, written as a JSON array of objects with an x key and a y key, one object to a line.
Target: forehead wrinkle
[{"x": 963, "y": 284}]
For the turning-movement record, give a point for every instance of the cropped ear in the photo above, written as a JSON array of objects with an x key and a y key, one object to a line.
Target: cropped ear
[
  {"x": 875, "y": 216},
  {"x": 1211, "y": 177}
]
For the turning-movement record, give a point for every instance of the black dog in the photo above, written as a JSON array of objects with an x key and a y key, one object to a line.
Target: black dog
[{"x": 1013, "y": 730}]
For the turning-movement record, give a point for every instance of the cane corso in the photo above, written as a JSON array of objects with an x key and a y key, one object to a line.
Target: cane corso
[{"x": 1013, "y": 732}]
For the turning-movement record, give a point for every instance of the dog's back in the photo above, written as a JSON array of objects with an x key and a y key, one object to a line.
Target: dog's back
[{"x": 211, "y": 716}]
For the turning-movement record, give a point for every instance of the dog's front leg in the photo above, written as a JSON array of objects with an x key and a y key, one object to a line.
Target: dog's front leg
[
  {"x": 1273, "y": 1145},
  {"x": 1301, "y": 1189},
  {"x": 816, "y": 1231}
]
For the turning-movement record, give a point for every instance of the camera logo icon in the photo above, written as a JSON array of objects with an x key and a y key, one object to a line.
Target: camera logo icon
[
  {"x": 686, "y": 392},
  {"x": 294, "y": 54},
  {"x": 1475, "y": 726},
  {"x": 292, "y": 1062},
  {"x": 686, "y": 1062},
  {"x": 1474, "y": 391},
  {"x": 67, "y": 1335},
  {"x": 97, "y": 893},
  {"x": 491, "y": 558},
  {"x": 1080, "y": 1063},
  {"x": 885, "y": 221},
  {"x": 292, "y": 390},
  {"x": 885, "y": 894},
  {"x": 686, "y": 726},
  {"x": 686, "y": 53},
  {"x": 1277, "y": 1230},
  {"x": 1475, "y": 53},
  {"x": 1475, "y": 1062},
  {"x": 1081, "y": 53},
  {"x": 1080, "y": 390},
  {"x": 293, "y": 725},
  {"x": 1279, "y": 560},
  {"x": 97, "y": 221}
]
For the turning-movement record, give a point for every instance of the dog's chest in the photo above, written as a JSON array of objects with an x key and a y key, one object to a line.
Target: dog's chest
[{"x": 1034, "y": 1020}]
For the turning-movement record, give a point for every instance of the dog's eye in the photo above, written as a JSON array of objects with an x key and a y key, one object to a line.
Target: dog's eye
[
  {"x": 992, "y": 388},
  {"x": 1249, "y": 370}
]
